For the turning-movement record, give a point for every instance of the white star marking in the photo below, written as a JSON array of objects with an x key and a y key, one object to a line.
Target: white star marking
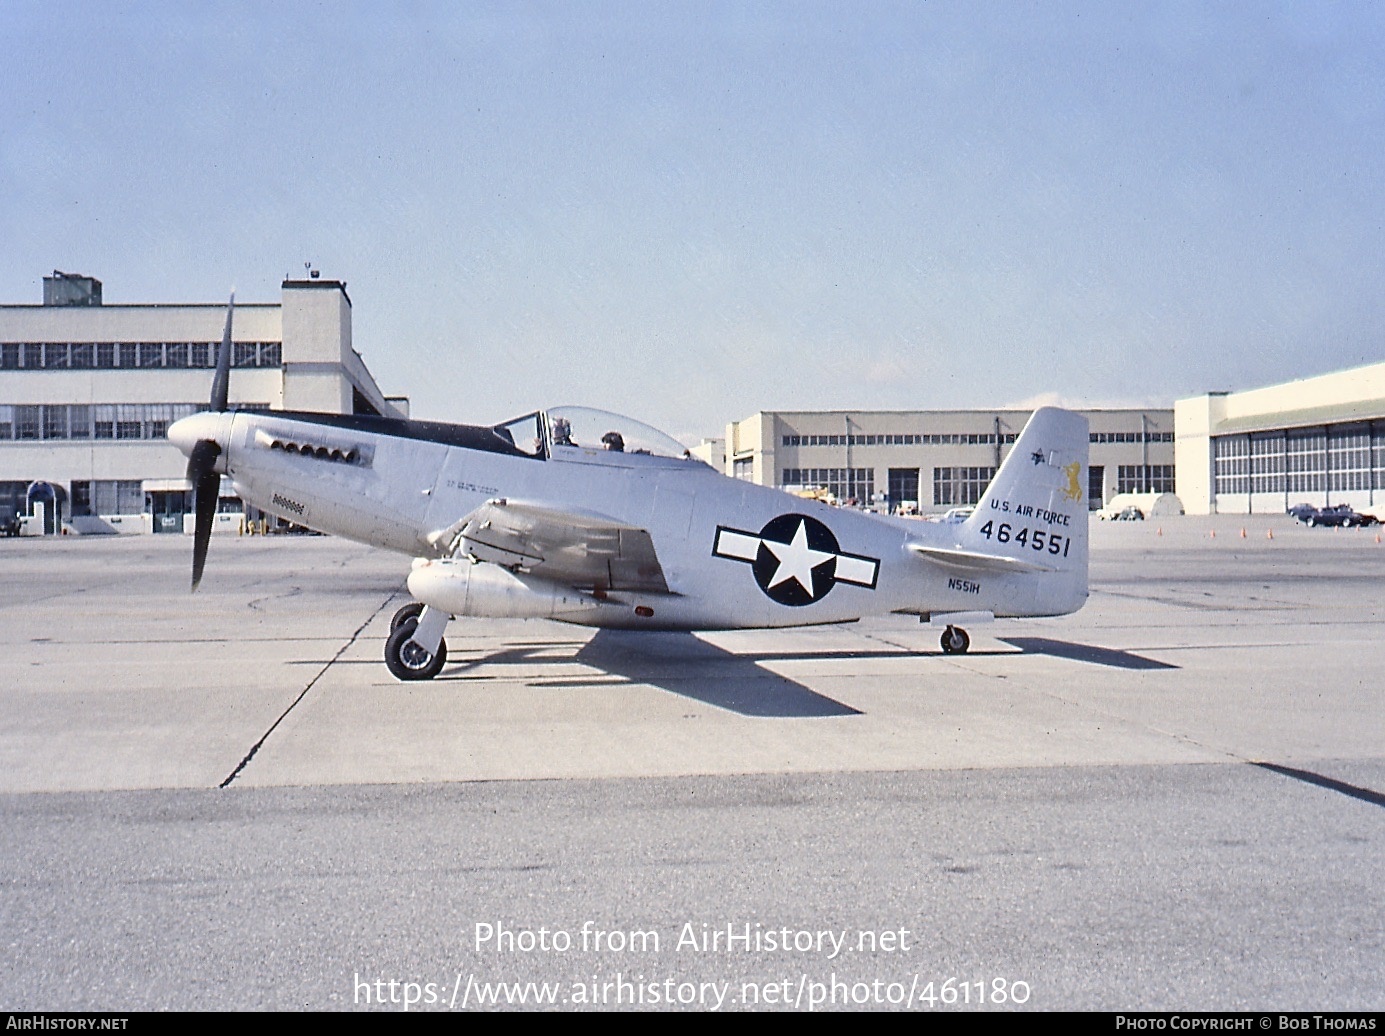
[{"x": 797, "y": 560}]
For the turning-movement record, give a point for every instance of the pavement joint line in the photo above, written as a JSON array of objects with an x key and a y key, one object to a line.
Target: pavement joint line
[{"x": 304, "y": 693}]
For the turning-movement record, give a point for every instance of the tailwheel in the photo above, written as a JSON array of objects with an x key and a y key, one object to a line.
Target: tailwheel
[
  {"x": 407, "y": 660},
  {"x": 955, "y": 641},
  {"x": 412, "y": 610}
]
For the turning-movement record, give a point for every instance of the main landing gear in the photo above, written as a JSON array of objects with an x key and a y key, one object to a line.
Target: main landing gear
[
  {"x": 955, "y": 641},
  {"x": 407, "y": 652}
]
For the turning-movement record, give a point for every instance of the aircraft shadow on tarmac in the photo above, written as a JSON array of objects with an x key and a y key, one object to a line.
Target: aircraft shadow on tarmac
[
  {"x": 681, "y": 664},
  {"x": 1085, "y": 653}
]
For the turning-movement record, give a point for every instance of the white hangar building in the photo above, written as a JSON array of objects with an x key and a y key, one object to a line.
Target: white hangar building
[
  {"x": 1317, "y": 441},
  {"x": 934, "y": 460},
  {"x": 88, "y": 390}
]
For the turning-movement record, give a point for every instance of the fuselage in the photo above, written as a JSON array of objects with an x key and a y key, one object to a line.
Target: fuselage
[{"x": 393, "y": 484}]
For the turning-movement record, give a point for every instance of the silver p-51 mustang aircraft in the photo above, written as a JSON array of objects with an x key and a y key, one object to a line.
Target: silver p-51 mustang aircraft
[{"x": 585, "y": 517}]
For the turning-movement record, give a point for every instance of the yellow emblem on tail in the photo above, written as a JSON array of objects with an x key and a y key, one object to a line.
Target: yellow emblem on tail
[{"x": 1074, "y": 487}]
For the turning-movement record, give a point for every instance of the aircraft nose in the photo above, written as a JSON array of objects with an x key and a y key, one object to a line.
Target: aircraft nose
[{"x": 187, "y": 432}]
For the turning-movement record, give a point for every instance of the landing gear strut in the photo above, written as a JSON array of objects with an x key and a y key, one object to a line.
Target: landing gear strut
[{"x": 955, "y": 641}]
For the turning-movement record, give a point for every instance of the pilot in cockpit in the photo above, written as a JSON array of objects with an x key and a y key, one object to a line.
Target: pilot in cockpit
[
  {"x": 614, "y": 442},
  {"x": 562, "y": 432}
]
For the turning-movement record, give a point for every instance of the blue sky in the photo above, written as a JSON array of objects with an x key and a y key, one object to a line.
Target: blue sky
[{"x": 689, "y": 212}]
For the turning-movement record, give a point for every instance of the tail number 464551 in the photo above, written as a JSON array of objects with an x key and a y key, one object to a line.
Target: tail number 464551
[{"x": 1035, "y": 539}]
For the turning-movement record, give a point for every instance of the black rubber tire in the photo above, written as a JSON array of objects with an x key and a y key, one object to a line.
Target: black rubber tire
[
  {"x": 412, "y": 663},
  {"x": 955, "y": 641},
  {"x": 412, "y": 610}
]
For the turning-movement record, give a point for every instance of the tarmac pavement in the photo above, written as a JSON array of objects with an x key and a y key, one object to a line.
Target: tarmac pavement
[{"x": 1173, "y": 799}]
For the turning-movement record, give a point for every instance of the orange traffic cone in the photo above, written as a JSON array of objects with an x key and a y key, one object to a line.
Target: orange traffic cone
[
  {"x": 1243, "y": 534},
  {"x": 1213, "y": 534},
  {"x": 1270, "y": 535}
]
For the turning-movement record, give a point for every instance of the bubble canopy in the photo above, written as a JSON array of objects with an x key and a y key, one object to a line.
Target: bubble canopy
[{"x": 586, "y": 429}]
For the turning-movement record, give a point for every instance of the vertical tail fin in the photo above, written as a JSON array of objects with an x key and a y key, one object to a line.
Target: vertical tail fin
[{"x": 1035, "y": 509}]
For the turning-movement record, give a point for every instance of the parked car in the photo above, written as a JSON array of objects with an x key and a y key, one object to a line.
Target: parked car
[
  {"x": 1343, "y": 515},
  {"x": 1126, "y": 514}
]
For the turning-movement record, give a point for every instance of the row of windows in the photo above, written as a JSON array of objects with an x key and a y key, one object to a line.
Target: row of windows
[
  {"x": 1107, "y": 437},
  {"x": 957, "y": 439},
  {"x": 66, "y": 421},
  {"x": 945, "y": 439},
  {"x": 1143, "y": 478},
  {"x": 843, "y": 483},
  {"x": 30, "y": 356},
  {"x": 1336, "y": 458}
]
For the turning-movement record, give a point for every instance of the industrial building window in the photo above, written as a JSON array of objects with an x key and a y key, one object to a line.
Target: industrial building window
[
  {"x": 1128, "y": 437},
  {"x": 1306, "y": 461},
  {"x": 58, "y": 421},
  {"x": 55, "y": 356},
  {"x": 9, "y": 357},
  {"x": 55, "y": 422},
  {"x": 901, "y": 439},
  {"x": 26, "y": 422},
  {"x": 1231, "y": 463},
  {"x": 82, "y": 356},
  {"x": 32, "y": 356},
  {"x": 79, "y": 422},
  {"x": 744, "y": 468},
  {"x": 844, "y": 483},
  {"x": 1267, "y": 463},
  {"x": 110, "y": 496},
  {"x": 960, "y": 487},
  {"x": 1144, "y": 478},
  {"x": 271, "y": 354},
  {"x": 1349, "y": 457},
  {"x": 103, "y": 422}
]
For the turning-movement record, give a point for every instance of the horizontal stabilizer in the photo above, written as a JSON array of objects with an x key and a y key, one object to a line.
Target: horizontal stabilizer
[{"x": 974, "y": 561}]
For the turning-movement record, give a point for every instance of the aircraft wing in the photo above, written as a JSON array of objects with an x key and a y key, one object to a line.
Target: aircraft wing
[
  {"x": 582, "y": 550},
  {"x": 974, "y": 561}
]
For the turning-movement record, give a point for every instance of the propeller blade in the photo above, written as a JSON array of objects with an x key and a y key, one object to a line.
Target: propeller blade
[
  {"x": 221, "y": 381},
  {"x": 206, "y": 485}
]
